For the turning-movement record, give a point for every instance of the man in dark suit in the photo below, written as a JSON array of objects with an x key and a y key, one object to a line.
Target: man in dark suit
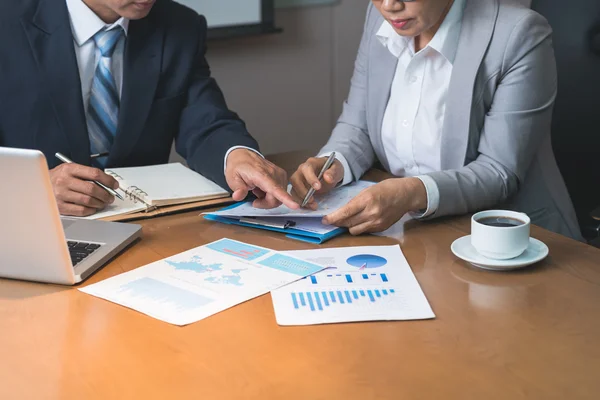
[{"x": 122, "y": 78}]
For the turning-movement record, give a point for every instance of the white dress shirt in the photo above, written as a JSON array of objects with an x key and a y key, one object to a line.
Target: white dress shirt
[
  {"x": 414, "y": 116},
  {"x": 84, "y": 25}
]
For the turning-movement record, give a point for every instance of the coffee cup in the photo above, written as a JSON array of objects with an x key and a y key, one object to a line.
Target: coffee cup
[{"x": 500, "y": 234}]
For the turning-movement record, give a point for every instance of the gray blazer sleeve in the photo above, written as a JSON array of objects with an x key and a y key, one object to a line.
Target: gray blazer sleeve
[
  {"x": 350, "y": 137},
  {"x": 514, "y": 128}
]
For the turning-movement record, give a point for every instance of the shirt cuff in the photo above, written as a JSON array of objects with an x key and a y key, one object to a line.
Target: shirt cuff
[
  {"x": 348, "y": 177},
  {"x": 235, "y": 148},
  {"x": 433, "y": 197}
]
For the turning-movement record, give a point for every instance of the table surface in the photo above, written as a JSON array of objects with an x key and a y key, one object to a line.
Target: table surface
[{"x": 527, "y": 334}]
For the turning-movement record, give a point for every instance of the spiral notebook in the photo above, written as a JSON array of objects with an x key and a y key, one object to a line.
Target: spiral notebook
[{"x": 149, "y": 189}]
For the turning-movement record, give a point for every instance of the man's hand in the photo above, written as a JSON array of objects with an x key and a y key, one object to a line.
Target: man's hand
[
  {"x": 74, "y": 192},
  {"x": 306, "y": 176},
  {"x": 248, "y": 172},
  {"x": 380, "y": 206}
]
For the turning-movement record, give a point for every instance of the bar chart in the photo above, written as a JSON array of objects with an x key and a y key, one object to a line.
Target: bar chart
[
  {"x": 347, "y": 278},
  {"x": 238, "y": 249},
  {"x": 341, "y": 297},
  {"x": 366, "y": 284},
  {"x": 327, "y": 290},
  {"x": 147, "y": 290}
]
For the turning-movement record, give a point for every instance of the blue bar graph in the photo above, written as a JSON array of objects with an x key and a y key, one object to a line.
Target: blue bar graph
[
  {"x": 310, "y": 301},
  {"x": 347, "y": 278},
  {"x": 319, "y": 301},
  {"x": 325, "y": 299},
  {"x": 348, "y": 298}
]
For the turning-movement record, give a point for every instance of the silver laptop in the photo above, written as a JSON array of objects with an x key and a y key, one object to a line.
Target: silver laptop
[{"x": 36, "y": 243}]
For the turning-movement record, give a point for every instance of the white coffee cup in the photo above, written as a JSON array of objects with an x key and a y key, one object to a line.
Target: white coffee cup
[{"x": 494, "y": 239}]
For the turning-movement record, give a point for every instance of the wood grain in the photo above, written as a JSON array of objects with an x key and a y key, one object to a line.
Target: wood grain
[{"x": 531, "y": 334}]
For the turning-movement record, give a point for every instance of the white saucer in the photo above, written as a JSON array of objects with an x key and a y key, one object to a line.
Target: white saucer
[{"x": 463, "y": 249}]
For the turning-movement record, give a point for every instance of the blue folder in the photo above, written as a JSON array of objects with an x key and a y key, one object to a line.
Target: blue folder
[{"x": 292, "y": 233}]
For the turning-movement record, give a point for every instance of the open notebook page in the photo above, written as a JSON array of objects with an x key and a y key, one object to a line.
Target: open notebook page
[
  {"x": 167, "y": 184},
  {"x": 119, "y": 207}
]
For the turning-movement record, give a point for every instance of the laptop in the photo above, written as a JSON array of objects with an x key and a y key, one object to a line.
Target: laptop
[{"x": 36, "y": 243}]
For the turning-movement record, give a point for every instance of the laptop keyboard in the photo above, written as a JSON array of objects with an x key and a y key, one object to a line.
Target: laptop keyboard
[{"x": 81, "y": 250}]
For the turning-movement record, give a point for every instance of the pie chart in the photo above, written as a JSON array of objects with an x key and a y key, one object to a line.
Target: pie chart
[{"x": 363, "y": 261}]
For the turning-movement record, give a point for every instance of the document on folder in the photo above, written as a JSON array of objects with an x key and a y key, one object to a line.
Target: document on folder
[
  {"x": 198, "y": 283},
  {"x": 328, "y": 203},
  {"x": 360, "y": 284},
  {"x": 300, "y": 224}
]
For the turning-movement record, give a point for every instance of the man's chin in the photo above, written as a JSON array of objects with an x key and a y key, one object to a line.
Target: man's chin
[{"x": 137, "y": 11}]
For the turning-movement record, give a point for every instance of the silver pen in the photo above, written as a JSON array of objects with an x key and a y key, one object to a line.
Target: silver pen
[
  {"x": 109, "y": 190},
  {"x": 327, "y": 165}
]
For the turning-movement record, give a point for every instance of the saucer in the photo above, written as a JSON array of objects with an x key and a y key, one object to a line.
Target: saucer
[{"x": 463, "y": 249}]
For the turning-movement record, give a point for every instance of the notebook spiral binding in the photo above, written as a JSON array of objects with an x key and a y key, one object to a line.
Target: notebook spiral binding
[{"x": 133, "y": 193}]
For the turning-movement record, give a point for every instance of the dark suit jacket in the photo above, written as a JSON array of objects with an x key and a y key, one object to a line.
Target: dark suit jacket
[{"x": 167, "y": 90}]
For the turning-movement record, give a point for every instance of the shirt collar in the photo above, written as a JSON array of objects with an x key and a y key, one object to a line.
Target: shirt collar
[
  {"x": 444, "y": 42},
  {"x": 85, "y": 23}
]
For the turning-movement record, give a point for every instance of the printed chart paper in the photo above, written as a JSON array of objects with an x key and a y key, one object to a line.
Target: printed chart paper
[
  {"x": 198, "y": 283},
  {"x": 360, "y": 284}
]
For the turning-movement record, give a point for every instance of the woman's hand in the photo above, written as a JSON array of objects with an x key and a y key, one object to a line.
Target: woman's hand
[
  {"x": 377, "y": 208},
  {"x": 306, "y": 176}
]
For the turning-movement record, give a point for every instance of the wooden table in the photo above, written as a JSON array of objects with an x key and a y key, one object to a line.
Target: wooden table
[{"x": 528, "y": 334}]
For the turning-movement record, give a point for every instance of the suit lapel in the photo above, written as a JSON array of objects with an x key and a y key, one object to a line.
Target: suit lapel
[
  {"x": 51, "y": 40},
  {"x": 383, "y": 67},
  {"x": 141, "y": 72},
  {"x": 478, "y": 25}
]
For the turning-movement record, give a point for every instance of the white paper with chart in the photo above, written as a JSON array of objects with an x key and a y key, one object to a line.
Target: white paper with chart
[
  {"x": 372, "y": 283},
  {"x": 198, "y": 283}
]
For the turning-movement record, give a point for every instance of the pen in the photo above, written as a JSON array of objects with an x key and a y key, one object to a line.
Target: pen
[
  {"x": 109, "y": 190},
  {"x": 270, "y": 224},
  {"x": 99, "y": 155},
  {"x": 328, "y": 163}
]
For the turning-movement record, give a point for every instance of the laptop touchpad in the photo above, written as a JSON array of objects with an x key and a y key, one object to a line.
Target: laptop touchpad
[{"x": 67, "y": 223}]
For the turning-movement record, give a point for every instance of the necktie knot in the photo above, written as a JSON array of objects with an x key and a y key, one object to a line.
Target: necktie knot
[{"x": 106, "y": 41}]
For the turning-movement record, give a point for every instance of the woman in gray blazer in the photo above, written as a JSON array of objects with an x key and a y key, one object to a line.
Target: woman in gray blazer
[{"x": 455, "y": 98}]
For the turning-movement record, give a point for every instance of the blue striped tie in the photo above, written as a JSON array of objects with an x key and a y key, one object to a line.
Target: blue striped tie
[{"x": 103, "y": 110}]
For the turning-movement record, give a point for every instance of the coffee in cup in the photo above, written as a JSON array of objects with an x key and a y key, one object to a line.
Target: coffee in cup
[
  {"x": 500, "y": 234},
  {"x": 501, "y": 222}
]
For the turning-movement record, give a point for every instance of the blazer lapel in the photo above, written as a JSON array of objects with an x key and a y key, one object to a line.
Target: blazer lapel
[
  {"x": 51, "y": 40},
  {"x": 141, "y": 73},
  {"x": 478, "y": 25},
  {"x": 383, "y": 66}
]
